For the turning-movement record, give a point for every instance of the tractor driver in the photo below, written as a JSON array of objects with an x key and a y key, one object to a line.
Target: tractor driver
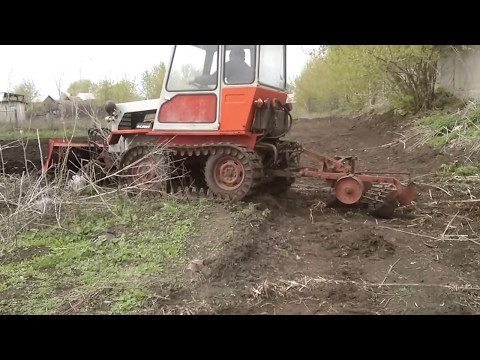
[{"x": 237, "y": 71}]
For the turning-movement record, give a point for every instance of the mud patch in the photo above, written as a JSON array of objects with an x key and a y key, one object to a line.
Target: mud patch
[
  {"x": 364, "y": 243},
  {"x": 20, "y": 254},
  {"x": 19, "y": 157}
]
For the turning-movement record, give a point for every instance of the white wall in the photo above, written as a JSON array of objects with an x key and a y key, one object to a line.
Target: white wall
[
  {"x": 12, "y": 113},
  {"x": 460, "y": 73}
]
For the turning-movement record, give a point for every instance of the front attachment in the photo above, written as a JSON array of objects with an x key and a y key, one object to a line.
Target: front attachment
[{"x": 70, "y": 155}]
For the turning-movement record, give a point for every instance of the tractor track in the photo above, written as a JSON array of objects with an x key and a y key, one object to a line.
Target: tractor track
[{"x": 247, "y": 163}]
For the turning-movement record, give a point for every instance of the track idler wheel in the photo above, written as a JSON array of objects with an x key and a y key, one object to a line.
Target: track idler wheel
[
  {"x": 145, "y": 170},
  {"x": 349, "y": 190},
  {"x": 230, "y": 174}
]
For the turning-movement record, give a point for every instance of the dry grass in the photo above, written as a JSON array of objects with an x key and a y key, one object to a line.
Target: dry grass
[
  {"x": 291, "y": 288},
  {"x": 47, "y": 128},
  {"x": 32, "y": 198},
  {"x": 29, "y": 198},
  {"x": 76, "y": 124},
  {"x": 457, "y": 133}
]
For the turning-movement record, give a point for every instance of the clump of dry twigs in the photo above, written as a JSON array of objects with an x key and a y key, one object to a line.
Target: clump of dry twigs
[
  {"x": 290, "y": 288},
  {"x": 282, "y": 288},
  {"x": 458, "y": 133},
  {"x": 35, "y": 198}
]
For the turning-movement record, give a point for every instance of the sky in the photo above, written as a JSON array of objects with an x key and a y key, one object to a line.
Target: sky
[{"x": 48, "y": 65}]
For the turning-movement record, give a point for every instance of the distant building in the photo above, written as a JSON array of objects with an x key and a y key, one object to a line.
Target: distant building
[
  {"x": 86, "y": 96},
  {"x": 75, "y": 99},
  {"x": 12, "y": 108},
  {"x": 51, "y": 105},
  {"x": 64, "y": 97}
]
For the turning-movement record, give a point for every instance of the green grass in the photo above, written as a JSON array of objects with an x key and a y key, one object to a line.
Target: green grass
[
  {"x": 46, "y": 129},
  {"x": 474, "y": 117},
  {"x": 467, "y": 170},
  {"x": 453, "y": 169},
  {"x": 43, "y": 134},
  {"x": 249, "y": 209},
  {"x": 440, "y": 122},
  {"x": 474, "y": 133},
  {"x": 438, "y": 141},
  {"x": 442, "y": 140},
  {"x": 449, "y": 128},
  {"x": 85, "y": 265}
]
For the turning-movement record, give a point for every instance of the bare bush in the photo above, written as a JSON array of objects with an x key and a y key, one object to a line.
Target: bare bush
[{"x": 38, "y": 199}]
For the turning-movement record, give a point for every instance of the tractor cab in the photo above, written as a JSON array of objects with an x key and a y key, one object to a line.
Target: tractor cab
[
  {"x": 213, "y": 87},
  {"x": 218, "y": 89}
]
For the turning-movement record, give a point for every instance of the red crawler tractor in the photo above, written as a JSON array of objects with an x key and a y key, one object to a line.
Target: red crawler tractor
[{"x": 221, "y": 118}]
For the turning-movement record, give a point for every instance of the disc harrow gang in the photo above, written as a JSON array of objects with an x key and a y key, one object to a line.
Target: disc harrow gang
[
  {"x": 377, "y": 194},
  {"x": 384, "y": 193}
]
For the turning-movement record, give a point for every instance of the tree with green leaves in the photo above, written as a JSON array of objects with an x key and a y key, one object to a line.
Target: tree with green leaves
[
  {"x": 28, "y": 89},
  {"x": 80, "y": 86},
  {"x": 403, "y": 74},
  {"x": 122, "y": 91},
  {"x": 407, "y": 72},
  {"x": 315, "y": 88},
  {"x": 152, "y": 81}
]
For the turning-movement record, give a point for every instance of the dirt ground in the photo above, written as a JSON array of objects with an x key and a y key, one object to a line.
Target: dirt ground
[
  {"x": 305, "y": 258},
  {"x": 14, "y": 161}
]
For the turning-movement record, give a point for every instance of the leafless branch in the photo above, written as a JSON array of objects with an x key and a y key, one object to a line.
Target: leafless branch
[{"x": 389, "y": 270}]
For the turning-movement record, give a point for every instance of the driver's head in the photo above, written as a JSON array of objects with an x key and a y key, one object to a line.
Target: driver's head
[{"x": 237, "y": 54}]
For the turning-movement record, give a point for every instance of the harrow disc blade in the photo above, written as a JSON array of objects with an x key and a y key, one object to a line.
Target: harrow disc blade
[
  {"x": 349, "y": 190},
  {"x": 393, "y": 200},
  {"x": 386, "y": 210},
  {"x": 408, "y": 194}
]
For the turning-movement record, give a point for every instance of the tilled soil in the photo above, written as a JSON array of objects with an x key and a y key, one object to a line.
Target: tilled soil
[
  {"x": 310, "y": 259},
  {"x": 17, "y": 157},
  {"x": 294, "y": 255}
]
